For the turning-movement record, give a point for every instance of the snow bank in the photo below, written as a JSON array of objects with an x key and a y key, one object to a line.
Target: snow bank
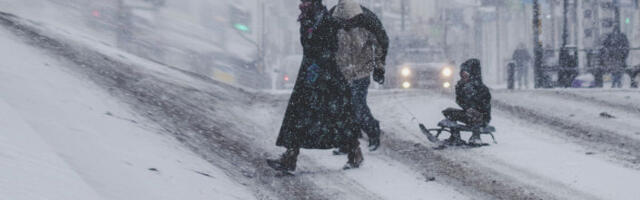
[{"x": 69, "y": 139}]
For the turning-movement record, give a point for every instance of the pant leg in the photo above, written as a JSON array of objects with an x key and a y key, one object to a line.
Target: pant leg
[
  {"x": 617, "y": 80},
  {"x": 457, "y": 115},
  {"x": 633, "y": 74},
  {"x": 520, "y": 76},
  {"x": 525, "y": 76},
  {"x": 369, "y": 124}
]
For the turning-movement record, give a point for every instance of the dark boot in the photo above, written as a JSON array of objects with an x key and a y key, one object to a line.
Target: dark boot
[
  {"x": 475, "y": 138},
  {"x": 355, "y": 159},
  {"x": 340, "y": 151},
  {"x": 454, "y": 139},
  {"x": 374, "y": 142},
  {"x": 286, "y": 162},
  {"x": 374, "y": 137}
]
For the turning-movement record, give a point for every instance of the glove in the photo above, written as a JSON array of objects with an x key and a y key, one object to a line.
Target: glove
[
  {"x": 474, "y": 115},
  {"x": 378, "y": 75}
]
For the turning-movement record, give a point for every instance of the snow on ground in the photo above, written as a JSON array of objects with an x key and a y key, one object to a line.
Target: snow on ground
[
  {"x": 106, "y": 151},
  {"x": 629, "y": 97},
  {"x": 113, "y": 186},
  {"x": 529, "y": 153},
  {"x": 379, "y": 174},
  {"x": 30, "y": 167},
  {"x": 626, "y": 122},
  {"x": 387, "y": 178},
  {"x": 68, "y": 137}
]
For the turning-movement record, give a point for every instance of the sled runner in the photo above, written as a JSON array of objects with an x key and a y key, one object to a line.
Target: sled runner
[{"x": 452, "y": 126}]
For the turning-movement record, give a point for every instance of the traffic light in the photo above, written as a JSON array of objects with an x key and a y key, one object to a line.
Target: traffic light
[
  {"x": 95, "y": 13},
  {"x": 627, "y": 20},
  {"x": 241, "y": 27},
  {"x": 240, "y": 19}
]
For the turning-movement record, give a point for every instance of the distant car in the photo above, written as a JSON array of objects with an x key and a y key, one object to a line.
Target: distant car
[
  {"x": 415, "y": 63},
  {"x": 424, "y": 75}
]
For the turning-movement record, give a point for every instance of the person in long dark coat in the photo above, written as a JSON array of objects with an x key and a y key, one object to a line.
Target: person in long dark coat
[
  {"x": 474, "y": 97},
  {"x": 319, "y": 114}
]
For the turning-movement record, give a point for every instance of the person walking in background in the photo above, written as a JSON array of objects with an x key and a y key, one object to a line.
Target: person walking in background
[
  {"x": 614, "y": 53},
  {"x": 320, "y": 113},
  {"x": 362, "y": 49},
  {"x": 522, "y": 59}
]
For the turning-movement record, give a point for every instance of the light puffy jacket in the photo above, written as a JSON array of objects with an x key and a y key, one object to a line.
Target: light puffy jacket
[{"x": 362, "y": 43}]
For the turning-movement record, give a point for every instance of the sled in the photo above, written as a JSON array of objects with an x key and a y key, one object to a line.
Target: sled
[{"x": 452, "y": 126}]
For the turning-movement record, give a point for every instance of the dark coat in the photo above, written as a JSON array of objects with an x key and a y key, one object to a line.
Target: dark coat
[
  {"x": 319, "y": 114},
  {"x": 521, "y": 57},
  {"x": 615, "y": 50},
  {"x": 473, "y": 94}
]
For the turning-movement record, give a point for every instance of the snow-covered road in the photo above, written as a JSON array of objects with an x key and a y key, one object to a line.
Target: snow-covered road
[
  {"x": 530, "y": 153},
  {"x": 214, "y": 120},
  {"x": 609, "y": 125},
  {"x": 63, "y": 137},
  {"x": 110, "y": 125}
]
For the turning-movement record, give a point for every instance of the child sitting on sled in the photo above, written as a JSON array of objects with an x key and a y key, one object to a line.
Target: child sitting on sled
[{"x": 475, "y": 100}]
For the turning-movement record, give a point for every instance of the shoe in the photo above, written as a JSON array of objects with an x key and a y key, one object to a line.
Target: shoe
[
  {"x": 355, "y": 159},
  {"x": 374, "y": 143},
  {"x": 339, "y": 152},
  {"x": 475, "y": 139},
  {"x": 454, "y": 140},
  {"x": 286, "y": 162}
]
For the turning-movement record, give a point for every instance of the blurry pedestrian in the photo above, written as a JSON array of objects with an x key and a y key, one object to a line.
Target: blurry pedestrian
[
  {"x": 320, "y": 114},
  {"x": 522, "y": 59},
  {"x": 362, "y": 49},
  {"x": 613, "y": 54}
]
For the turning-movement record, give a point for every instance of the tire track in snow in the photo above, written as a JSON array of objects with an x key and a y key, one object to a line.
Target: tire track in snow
[
  {"x": 534, "y": 179},
  {"x": 471, "y": 180},
  {"x": 579, "y": 97},
  {"x": 621, "y": 148}
]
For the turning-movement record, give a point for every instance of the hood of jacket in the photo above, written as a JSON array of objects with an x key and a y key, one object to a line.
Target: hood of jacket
[
  {"x": 347, "y": 9},
  {"x": 472, "y": 66}
]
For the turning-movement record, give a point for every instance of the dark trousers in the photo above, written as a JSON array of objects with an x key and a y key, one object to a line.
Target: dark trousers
[
  {"x": 633, "y": 73},
  {"x": 617, "y": 79},
  {"x": 359, "y": 92},
  {"x": 522, "y": 75},
  {"x": 460, "y": 115}
]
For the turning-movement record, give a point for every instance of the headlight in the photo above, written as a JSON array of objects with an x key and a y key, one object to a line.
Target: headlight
[
  {"x": 446, "y": 85},
  {"x": 406, "y": 72},
  {"x": 406, "y": 85},
  {"x": 447, "y": 72}
]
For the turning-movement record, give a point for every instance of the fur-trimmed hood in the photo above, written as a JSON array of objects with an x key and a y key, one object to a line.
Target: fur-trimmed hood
[{"x": 347, "y": 9}]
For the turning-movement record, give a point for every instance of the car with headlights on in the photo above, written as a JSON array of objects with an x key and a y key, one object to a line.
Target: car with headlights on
[{"x": 424, "y": 75}]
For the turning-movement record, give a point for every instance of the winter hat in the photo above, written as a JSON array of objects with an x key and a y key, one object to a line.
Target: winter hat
[{"x": 347, "y": 9}]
